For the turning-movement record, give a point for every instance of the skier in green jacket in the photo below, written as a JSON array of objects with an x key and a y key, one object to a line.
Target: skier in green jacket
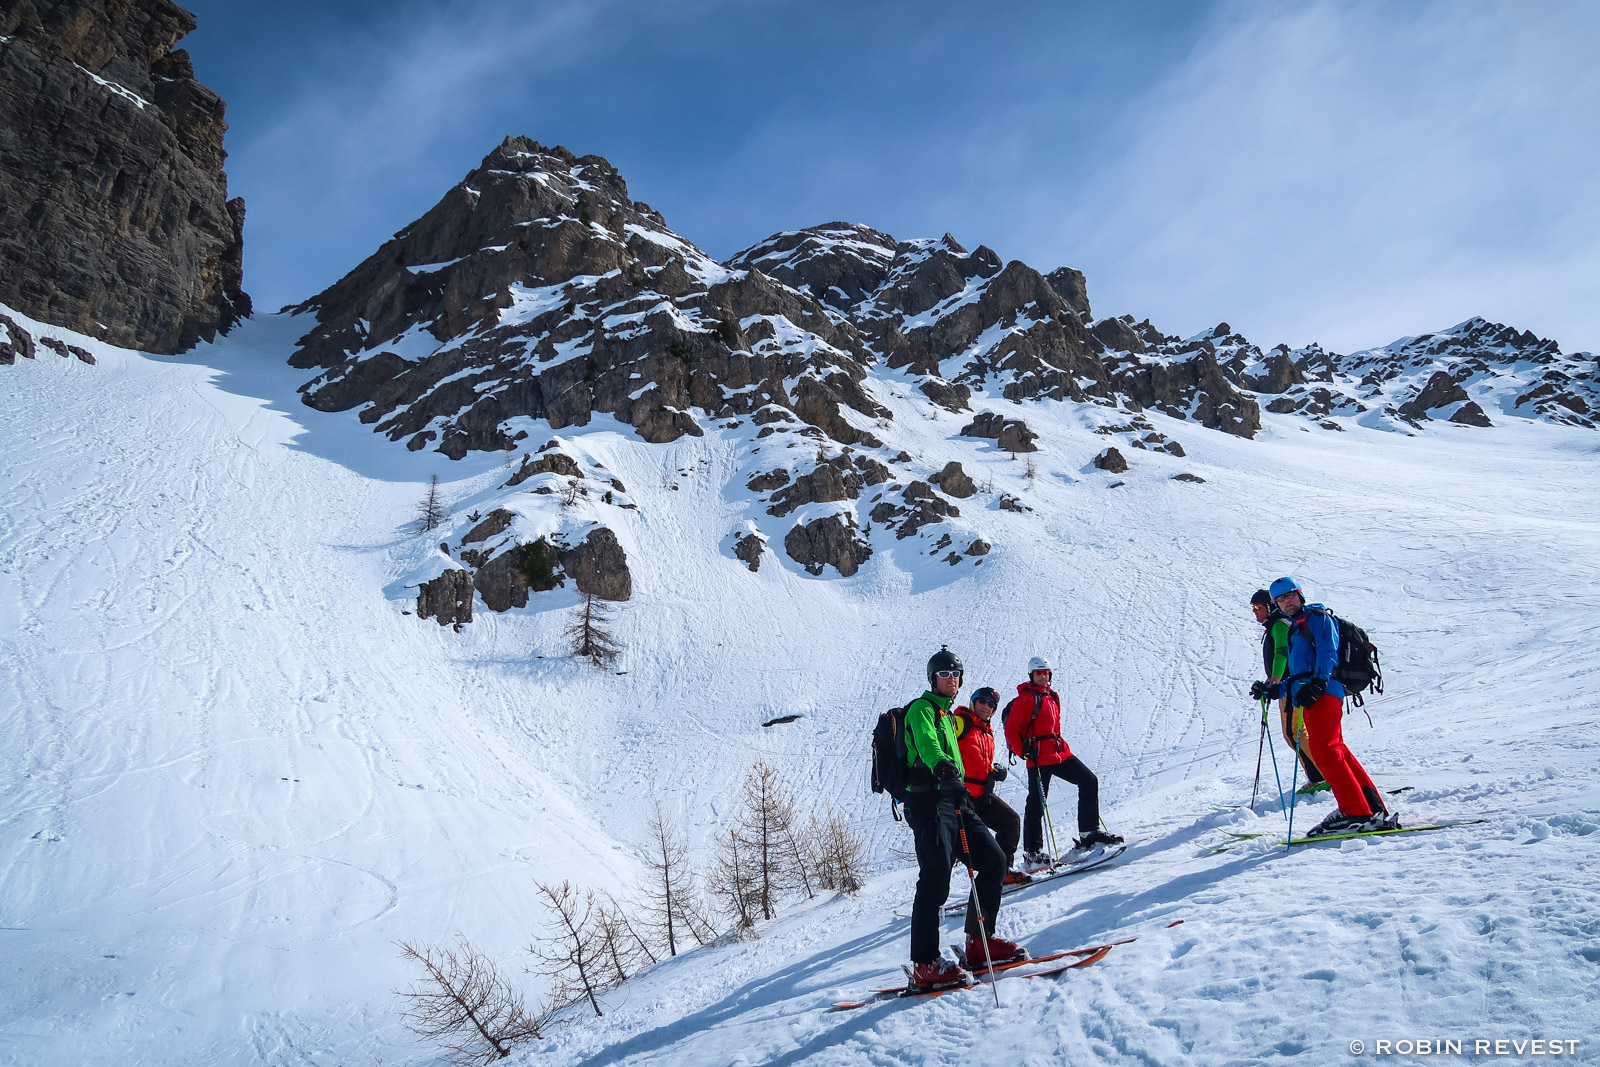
[
  {"x": 1275, "y": 661},
  {"x": 939, "y": 811}
]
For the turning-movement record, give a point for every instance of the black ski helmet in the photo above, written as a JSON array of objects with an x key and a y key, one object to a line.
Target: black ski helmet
[
  {"x": 986, "y": 695},
  {"x": 1261, "y": 599},
  {"x": 944, "y": 660}
]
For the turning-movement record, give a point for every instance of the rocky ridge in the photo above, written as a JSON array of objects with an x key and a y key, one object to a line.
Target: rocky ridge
[
  {"x": 115, "y": 219},
  {"x": 538, "y": 295}
]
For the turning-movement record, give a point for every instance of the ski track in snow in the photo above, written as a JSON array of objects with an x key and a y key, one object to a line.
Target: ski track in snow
[{"x": 236, "y": 773}]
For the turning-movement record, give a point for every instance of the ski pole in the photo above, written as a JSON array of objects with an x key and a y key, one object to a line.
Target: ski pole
[
  {"x": 1036, "y": 782},
  {"x": 1294, "y": 780},
  {"x": 977, "y": 906},
  {"x": 1260, "y": 744},
  {"x": 1044, "y": 799},
  {"x": 1272, "y": 747}
]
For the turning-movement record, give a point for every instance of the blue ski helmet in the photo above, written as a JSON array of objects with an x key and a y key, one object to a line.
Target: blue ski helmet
[{"x": 1284, "y": 585}]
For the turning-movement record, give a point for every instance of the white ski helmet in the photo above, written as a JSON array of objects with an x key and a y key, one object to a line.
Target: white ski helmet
[{"x": 1038, "y": 663}]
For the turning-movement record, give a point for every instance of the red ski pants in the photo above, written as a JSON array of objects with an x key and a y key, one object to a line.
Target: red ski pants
[{"x": 1325, "y": 739}]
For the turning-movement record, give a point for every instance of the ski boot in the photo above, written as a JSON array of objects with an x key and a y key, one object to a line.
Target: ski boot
[
  {"x": 1035, "y": 860},
  {"x": 940, "y": 974},
  {"x": 1018, "y": 878},
  {"x": 1340, "y": 823},
  {"x": 1097, "y": 837},
  {"x": 1000, "y": 951}
]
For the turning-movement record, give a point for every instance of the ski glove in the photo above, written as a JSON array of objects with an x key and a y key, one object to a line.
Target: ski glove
[
  {"x": 949, "y": 779},
  {"x": 1311, "y": 691},
  {"x": 1268, "y": 690},
  {"x": 998, "y": 773}
]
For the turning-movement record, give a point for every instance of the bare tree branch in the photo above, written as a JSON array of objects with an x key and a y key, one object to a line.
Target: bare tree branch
[
  {"x": 572, "y": 954},
  {"x": 840, "y": 853},
  {"x": 465, "y": 1005},
  {"x": 590, "y": 632},
  {"x": 673, "y": 907}
]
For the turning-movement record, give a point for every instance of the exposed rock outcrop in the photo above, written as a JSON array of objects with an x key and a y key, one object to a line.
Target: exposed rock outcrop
[
  {"x": 447, "y": 598},
  {"x": 1441, "y": 389},
  {"x": 955, "y": 481},
  {"x": 599, "y": 566},
  {"x": 1111, "y": 460},
  {"x": 1011, "y": 435},
  {"x": 114, "y": 213},
  {"x": 831, "y": 541},
  {"x": 748, "y": 549}
]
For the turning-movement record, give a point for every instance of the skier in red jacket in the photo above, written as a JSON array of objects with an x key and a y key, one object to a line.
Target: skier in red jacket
[
  {"x": 1033, "y": 731},
  {"x": 975, "y": 739}
]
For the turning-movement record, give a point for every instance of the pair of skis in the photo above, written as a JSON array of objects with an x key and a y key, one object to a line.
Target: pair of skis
[
  {"x": 1073, "y": 863},
  {"x": 1237, "y": 837},
  {"x": 1079, "y": 957},
  {"x": 1076, "y": 958}
]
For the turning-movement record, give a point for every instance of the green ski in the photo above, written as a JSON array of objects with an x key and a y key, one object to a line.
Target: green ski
[{"x": 1380, "y": 833}]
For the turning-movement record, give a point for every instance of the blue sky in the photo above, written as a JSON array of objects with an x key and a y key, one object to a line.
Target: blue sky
[{"x": 1341, "y": 172}]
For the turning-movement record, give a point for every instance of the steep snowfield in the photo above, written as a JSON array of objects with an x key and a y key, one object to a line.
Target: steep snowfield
[{"x": 235, "y": 772}]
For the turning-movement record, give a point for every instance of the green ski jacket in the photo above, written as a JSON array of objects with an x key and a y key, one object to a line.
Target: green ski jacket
[{"x": 930, "y": 735}]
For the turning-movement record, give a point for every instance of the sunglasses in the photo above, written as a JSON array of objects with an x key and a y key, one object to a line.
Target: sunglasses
[{"x": 947, "y": 674}]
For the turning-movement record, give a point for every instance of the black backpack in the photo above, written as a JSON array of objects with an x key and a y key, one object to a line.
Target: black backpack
[
  {"x": 889, "y": 772},
  {"x": 1357, "y": 666}
]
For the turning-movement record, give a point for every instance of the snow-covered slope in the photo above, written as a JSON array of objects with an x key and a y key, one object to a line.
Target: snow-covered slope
[{"x": 236, "y": 771}]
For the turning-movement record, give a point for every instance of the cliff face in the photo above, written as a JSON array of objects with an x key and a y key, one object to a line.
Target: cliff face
[{"x": 114, "y": 212}]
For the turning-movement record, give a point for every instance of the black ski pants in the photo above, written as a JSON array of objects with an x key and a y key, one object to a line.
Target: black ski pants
[
  {"x": 936, "y": 824},
  {"x": 1003, "y": 819},
  {"x": 1073, "y": 771}
]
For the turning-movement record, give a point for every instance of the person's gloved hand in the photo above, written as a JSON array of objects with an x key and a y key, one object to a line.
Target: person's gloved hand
[
  {"x": 948, "y": 777},
  {"x": 1311, "y": 691},
  {"x": 998, "y": 773},
  {"x": 1266, "y": 690}
]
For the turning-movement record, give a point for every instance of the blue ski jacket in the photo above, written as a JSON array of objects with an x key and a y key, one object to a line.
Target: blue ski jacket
[{"x": 1313, "y": 650}]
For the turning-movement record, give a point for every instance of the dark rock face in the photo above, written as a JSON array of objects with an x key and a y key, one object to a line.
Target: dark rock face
[
  {"x": 1111, "y": 460},
  {"x": 922, "y": 507},
  {"x": 830, "y": 541},
  {"x": 493, "y": 526},
  {"x": 955, "y": 481},
  {"x": 1011, "y": 435},
  {"x": 447, "y": 598},
  {"x": 114, "y": 212},
  {"x": 1470, "y": 414},
  {"x": 15, "y": 342},
  {"x": 501, "y": 583},
  {"x": 545, "y": 463},
  {"x": 1442, "y": 389},
  {"x": 835, "y": 479},
  {"x": 748, "y": 549},
  {"x": 1118, "y": 334},
  {"x": 538, "y": 287},
  {"x": 947, "y": 395},
  {"x": 600, "y": 566}
]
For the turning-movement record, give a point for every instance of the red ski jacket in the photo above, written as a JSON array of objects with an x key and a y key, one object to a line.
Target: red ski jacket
[
  {"x": 975, "y": 739},
  {"x": 1033, "y": 726}
]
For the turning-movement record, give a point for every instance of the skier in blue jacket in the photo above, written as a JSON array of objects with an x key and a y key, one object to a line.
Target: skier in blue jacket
[{"x": 1310, "y": 685}]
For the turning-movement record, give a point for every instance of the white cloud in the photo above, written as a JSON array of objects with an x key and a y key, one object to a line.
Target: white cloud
[{"x": 1353, "y": 172}]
